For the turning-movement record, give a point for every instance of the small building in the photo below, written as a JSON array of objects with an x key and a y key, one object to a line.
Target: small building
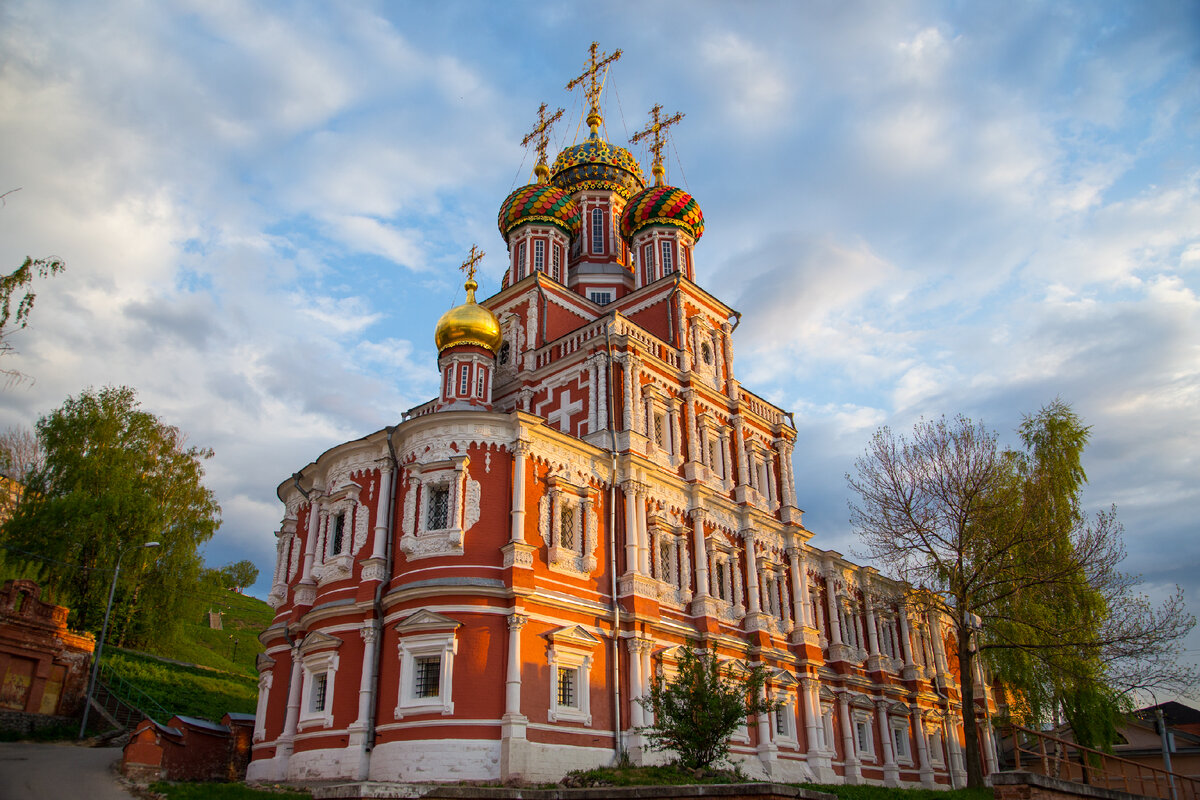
[
  {"x": 43, "y": 666},
  {"x": 189, "y": 749}
]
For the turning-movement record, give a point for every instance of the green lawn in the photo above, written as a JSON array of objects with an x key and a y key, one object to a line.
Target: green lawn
[{"x": 222, "y": 791}]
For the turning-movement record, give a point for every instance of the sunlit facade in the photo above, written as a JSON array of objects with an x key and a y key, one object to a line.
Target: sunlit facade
[{"x": 485, "y": 590}]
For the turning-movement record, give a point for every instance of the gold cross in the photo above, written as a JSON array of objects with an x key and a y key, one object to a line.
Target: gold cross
[
  {"x": 592, "y": 90},
  {"x": 541, "y": 135},
  {"x": 468, "y": 266},
  {"x": 655, "y": 129}
]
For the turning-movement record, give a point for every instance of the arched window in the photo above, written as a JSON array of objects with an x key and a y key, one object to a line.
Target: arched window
[{"x": 597, "y": 231}]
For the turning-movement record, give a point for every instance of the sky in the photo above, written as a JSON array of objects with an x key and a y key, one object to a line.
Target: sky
[{"x": 919, "y": 208}]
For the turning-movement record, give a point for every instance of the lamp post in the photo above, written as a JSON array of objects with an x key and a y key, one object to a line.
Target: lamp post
[
  {"x": 87, "y": 703},
  {"x": 1161, "y": 724}
]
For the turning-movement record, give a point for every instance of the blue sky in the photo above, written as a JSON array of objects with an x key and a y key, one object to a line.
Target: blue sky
[{"x": 919, "y": 208}]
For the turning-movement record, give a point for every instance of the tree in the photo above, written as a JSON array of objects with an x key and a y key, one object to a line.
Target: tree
[
  {"x": 115, "y": 477},
  {"x": 18, "y": 317},
  {"x": 20, "y": 456},
  {"x": 240, "y": 574},
  {"x": 997, "y": 542},
  {"x": 697, "y": 712}
]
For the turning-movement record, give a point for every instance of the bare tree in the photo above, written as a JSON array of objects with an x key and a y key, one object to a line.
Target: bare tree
[{"x": 997, "y": 541}]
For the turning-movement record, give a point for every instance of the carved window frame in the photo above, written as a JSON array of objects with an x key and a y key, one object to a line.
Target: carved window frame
[
  {"x": 453, "y": 475},
  {"x": 426, "y": 634},
  {"x": 564, "y": 498}
]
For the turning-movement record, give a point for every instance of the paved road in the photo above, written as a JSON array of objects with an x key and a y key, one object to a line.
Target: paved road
[{"x": 52, "y": 771}]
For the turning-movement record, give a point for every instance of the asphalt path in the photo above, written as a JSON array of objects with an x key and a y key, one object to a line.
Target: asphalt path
[{"x": 35, "y": 771}]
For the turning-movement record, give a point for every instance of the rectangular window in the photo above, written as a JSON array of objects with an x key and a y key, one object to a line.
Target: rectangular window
[
  {"x": 566, "y": 527},
  {"x": 568, "y": 689},
  {"x": 781, "y": 723},
  {"x": 556, "y": 263},
  {"x": 479, "y": 384},
  {"x": 339, "y": 534},
  {"x": 862, "y": 733},
  {"x": 721, "y": 583},
  {"x": 464, "y": 379},
  {"x": 597, "y": 231},
  {"x": 520, "y": 261},
  {"x": 320, "y": 683},
  {"x": 659, "y": 424},
  {"x": 668, "y": 266},
  {"x": 427, "y": 673},
  {"x": 600, "y": 298},
  {"x": 664, "y": 561},
  {"x": 539, "y": 256},
  {"x": 438, "y": 515},
  {"x": 900, "y": 740}
]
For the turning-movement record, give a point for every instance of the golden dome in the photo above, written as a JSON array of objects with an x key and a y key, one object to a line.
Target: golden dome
[{"x": 469, "y": 323}]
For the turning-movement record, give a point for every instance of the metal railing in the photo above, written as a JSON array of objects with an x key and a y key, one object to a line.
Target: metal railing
[
  {"x": 128, "y": 694},
  {"x": 1061, "y": 758}
]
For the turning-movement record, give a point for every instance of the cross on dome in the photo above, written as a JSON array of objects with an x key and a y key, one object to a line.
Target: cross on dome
[
  {"x": 592, "y": 90},
  {"x": 470, "y": 265},
  {"x": 541, "y": 135},
  {"x": 656, "y": 128}
]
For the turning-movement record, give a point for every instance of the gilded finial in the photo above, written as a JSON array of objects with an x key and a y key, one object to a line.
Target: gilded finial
[
  {"x": 592, "y": 90},
  {"x": 541, "y": 135},
  {"x": 469, "y": 266},
  {"x": 656, "y": 128}
]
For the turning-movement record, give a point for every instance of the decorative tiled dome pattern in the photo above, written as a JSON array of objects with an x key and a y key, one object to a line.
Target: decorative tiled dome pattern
[
  {"x": 596, "y": 164},
  {"x": 662, "y": 205},
  {"x": 539, "y": 202}
]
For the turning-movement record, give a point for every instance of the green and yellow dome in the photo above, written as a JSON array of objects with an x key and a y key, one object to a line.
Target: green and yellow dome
[
  {"x": 469, "y": 323},
  {"x": 662, "y": 205},
  {"x": 539, "y": 202},
  {"x": 597, "y": 164}
]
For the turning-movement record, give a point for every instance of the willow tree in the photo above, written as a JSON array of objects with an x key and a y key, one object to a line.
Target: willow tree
[
  {"x": 999, "y": 543},
  {"x": 114, "y": 477}
]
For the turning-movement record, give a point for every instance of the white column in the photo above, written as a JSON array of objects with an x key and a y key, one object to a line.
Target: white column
[
  {"x": 627, "y": 387},
  {"x": 601, "y": 394},
  {"x": 958, "y": 770},
  {"x": 512, "y": 681},
  {"x": 693, "y": 443},
  {"x": 293, "y": 705},
  {"x": 812, "y": 715},
  {"x": 735, "y": 575},
  {"x": 382, "y": 514},
  {"x": 850, "y": 758},
  {"x": 872, "y": 633},
  {"x": 891, "y": 772},
  {"x": 800, "y": 609},
  {"x": 739, "y": 444},
  {"x": 989, "y": 746},
  {"x": 702, "y": 587},
  {"x": 726, "y": 459},
  {"x": 751, "y": 575},
  {"x": 631, "y": 528},
  {"x": 925, "y": 768},
  {"x": 772, "y": 493},
  {"x": 369, "y": 633},
  {"x": 637, "y": 714},
  {"x": 310, "y": 544},
  {"x": 906, "y": 648},
  {"x": 835, "y": 624},
  {"x": 643, "y": 535},
  {"x": 674, "y": 410}
]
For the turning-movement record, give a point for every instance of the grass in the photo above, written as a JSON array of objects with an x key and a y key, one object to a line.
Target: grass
[
  {"x": 867, "y": 792},
  {"x": 221, "y": 791},
  {"x": 665, "y": 775}
]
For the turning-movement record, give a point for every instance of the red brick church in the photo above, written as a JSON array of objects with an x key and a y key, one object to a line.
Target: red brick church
[{"x": 484, "y": 590}]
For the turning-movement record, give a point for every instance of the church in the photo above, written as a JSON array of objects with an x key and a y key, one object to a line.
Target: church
[{"x": 485, "y": 590}]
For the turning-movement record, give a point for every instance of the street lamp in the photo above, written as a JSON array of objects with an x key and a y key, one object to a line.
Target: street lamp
[
  {"x": 1161, "y": 724},
  {"x": 87, "y": 703}
]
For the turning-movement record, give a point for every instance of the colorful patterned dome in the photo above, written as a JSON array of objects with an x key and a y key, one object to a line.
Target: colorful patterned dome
[
  {"x": 596, "y": 164},
  {"x": 662, "y": 205},
  {"x": 539, "y": 202}
]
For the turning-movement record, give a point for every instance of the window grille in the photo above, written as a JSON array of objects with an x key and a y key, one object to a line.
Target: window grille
[
  {"x": 539, "y": 256},
  {"x": 427, "y": 676},
  {"x": 339, "y": 533},
  {"x": 556, "y": 263},
  {"x": 600, "y": 298},
  {"x": 658, "y": 430},
  {"x": 520, "y": 261},
  {"x": 668, "y": 267},
  {"x": 464, "y": 379},
  {"x": 664, "y": 561},
  {"x": 320, "y": 683},
  {"x": 438, "y": 516},
  {"x": 479, "y": 385},
  {"x": 781, "y": 723},
  {"x": 863, "y": 732},
  {"x": 566, "y": 527},
  {"x": 567, "y": 690}
]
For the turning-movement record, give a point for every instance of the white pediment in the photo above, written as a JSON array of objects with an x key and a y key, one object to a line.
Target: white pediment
[
  {"x": 426, "y": 620},
  {"x": 319, "y": 641},
  {"x": 572, "y": 636}
]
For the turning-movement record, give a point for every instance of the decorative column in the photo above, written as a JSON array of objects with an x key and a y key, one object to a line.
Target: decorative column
[
  {"x": 698, "y": 517},
  {"x": 635, "y": 389},
  {"x": 812, "y": 716},
  {"x": 636, "y": 685},
  {"x": 674, "y": 409},
  {"x": 631, "y": 527},
  {"x": 726, "y": 458},
  {"x": 958, "y": 771},
  {"x": 601, "y": 393},
  {"x": 891, "y": 771},
  {"x": 939, "y": 648},
  {"x": 739, "y": 444},
  {"x": 766, "y": 746},
  {"x": 926, "y": 769},
  {"x": 643, "y": 536},
  {"x": 835, "y": 625},
  {"x": 689, "y": 399},
  {"x": 772, "y": 493},
  {"x": 512, "y": 680},
  {"x": 989, "y": 746},
  {"x": 906, "y": 648},
  {"x": 850, "y": 756},
  {"x": 310, "y": 543},
  {"x": 370, "y": 634},
  {"x": 627, "y": 392},
  {"x": 288, "y": 737},
  {"x": 751, "y": 574},
  {"x": 727, "y": 340},
  {"x": 381, "y": 514}
]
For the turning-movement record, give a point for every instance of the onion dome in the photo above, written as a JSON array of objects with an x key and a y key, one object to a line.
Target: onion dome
[
  {"x": 540, "y": 202},
  {"x": 469, "y": 323},
  {"x": 662, "y": 205},
  {"x": 597, "y": 164}
]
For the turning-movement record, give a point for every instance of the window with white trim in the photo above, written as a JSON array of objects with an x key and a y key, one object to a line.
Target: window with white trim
[
  {"x": 569, "y": 657},
  {"x": 426, "y": 669},
  {"x": 667, "y": 264},
  {"x": 936, "y": 754},
  {"x": 556, "y": 263},
  {"x": 600, "y": 298},
  {"x": 597, "y": 231},
  {"x": 337, "y": 541},
  {"x": 900, "y": 741},
  {"x": 437, "y": 508},
  {"x": 520, "y": 261},
  {"x": 864, "y": 740},
  {"x": 480, "y": 384},
  {"x": 826, "y": 729},
  {"x": 319, "y": 671}
]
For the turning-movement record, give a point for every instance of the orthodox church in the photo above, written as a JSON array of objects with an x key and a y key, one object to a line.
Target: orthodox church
[{"x": 485, "y": 590}]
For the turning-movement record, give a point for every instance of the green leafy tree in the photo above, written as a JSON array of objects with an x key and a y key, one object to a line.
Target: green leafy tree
[
  {"x": 697, "y": 712},
  {"x": 114, "y": 477},
  {"x": 16, "y": 301},
  {"x": 998, "y": 543},
  {"x": 240, "y": 574}
]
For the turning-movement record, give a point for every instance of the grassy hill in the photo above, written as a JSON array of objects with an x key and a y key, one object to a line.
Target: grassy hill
[{"x": 205, "y": 672}]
